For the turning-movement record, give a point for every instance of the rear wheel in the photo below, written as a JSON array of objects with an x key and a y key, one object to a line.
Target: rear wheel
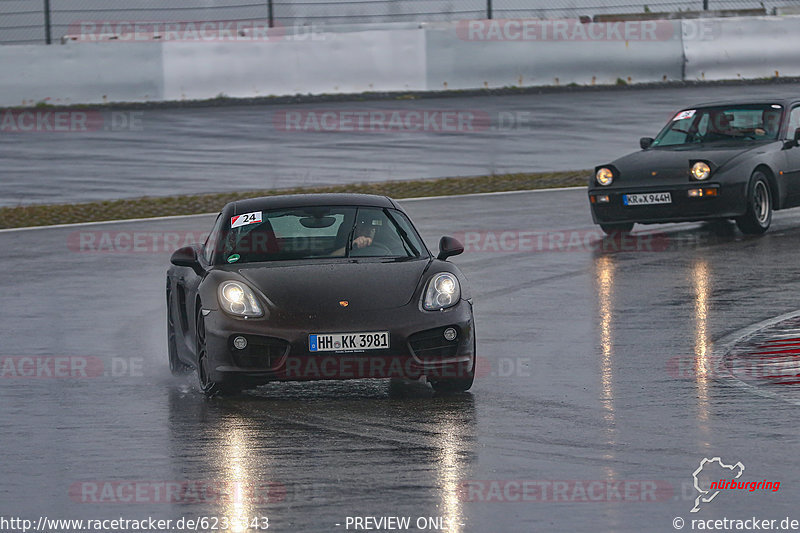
[
  {"x": 176, "y": 366},
  {"x": 209, "y": 386},
  {"x": 759, "y": 207},
  {"x": 614, "y": 229}
]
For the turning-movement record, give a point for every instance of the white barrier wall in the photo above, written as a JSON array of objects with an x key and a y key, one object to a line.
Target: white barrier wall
[
  {"x": 86, "y": 73},
  {"x": 500, "y": 53},
  {"x": 745, "y": 48},
  {"x": 403, "y": 57},
  {"x": 323, "y": 63}
]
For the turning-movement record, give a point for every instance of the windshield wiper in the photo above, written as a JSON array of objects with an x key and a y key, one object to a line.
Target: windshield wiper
[
  {"x": 349, "y": 244},
  {"x": 407, "y": 244}
]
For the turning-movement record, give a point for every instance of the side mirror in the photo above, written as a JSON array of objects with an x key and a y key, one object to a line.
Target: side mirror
[
  {"x": 448, "y": 247},
  {"x": 794, "y": 141},
  {"x": 186, "y": 257},
  {"x": 646, "y": 142}
]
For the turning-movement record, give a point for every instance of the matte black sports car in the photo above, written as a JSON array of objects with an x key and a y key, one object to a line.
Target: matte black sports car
[
  {"x": 724, "y": 160},
  {"x": 308, "y": 287}
]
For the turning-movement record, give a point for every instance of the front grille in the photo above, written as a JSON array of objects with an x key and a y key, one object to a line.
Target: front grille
[
  {"x": 430, "y": 345},
  {"x": 260, "y": 352}
]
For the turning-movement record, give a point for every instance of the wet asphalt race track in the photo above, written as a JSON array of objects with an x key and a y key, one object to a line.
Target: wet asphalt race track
[
  {"x": 598, "y": 365},
  {"x": 160, "y": 152}
]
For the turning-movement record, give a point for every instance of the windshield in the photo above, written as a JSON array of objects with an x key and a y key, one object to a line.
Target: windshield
[
  {"x": 318, "y": 232},
  {"x": 756, "y": 122}
]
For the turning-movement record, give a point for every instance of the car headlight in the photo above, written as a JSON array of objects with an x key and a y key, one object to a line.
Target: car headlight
[
  {"x": 238, "y": 299},
  {"x": 604, "y": 176},
  {"x": 443, "y": 291},
  {"x": 700, "y": 171}
]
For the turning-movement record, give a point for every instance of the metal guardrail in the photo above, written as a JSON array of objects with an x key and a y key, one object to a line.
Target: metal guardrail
[{"x": 47, "y": 21}]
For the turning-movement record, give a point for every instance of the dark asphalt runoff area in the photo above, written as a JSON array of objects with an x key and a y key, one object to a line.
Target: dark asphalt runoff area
[
  {"x": 596, "y": 399},
  {"x": 161, "y": 152}
]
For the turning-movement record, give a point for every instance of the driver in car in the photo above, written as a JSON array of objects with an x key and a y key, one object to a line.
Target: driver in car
[
  {"x": 363, "y": 236},
  {"x": 770, "y": 123}
]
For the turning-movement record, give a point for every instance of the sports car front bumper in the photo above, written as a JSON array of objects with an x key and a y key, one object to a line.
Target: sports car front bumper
[
  {"x": 730, "y": 202},
  {"x": 278, "y": 346}
]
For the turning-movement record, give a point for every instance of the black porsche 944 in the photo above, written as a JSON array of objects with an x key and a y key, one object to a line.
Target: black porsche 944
[
  {"x": 722, "y": 160},
  {"x": 315, "y": 287}
]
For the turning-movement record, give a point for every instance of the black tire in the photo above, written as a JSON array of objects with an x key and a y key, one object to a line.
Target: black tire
[
  {"x": 454, "y": 385},
  {"x": 176, "y": 366},
  {"x": 759, "y": 206},
  {"x": 461, "y": 384},
  {"x": 614, "y": 229},
  {"x": 207, "y": 385}
]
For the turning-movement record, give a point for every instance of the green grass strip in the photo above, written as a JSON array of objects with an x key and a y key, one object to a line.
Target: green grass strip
[{"x": 147, "y": 207}]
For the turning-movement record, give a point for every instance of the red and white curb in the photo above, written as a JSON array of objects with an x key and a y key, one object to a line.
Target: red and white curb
[{"x": 762, "y": 358}]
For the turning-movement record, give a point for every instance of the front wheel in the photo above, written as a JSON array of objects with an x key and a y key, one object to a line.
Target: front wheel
[
  {"x": 758, "y": 216},
  {"x": 455, "y": 385},
  {"x": 459, "y": 384},
  {"x": 615, "y": 229},
  {"x": 208, "y": 386},
  {"x": 176, "y": 366}
]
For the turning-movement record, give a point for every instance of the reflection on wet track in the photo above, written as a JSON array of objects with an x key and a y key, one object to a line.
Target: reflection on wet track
[
  {"x": 702, "y": 348},
  {"x": 601, "y": 369},
  {"x": 287, "y": 449},
  {"x": 604, "y": 266}
]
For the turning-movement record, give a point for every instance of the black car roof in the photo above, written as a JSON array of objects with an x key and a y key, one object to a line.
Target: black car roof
[
  {"x": 305, "y": 200},
  {"x": 782, "y": 101}
]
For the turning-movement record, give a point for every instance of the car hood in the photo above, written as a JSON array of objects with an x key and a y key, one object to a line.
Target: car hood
[
  {"x": 364, "y": 285},
  {"x": 675, "y": 160}
]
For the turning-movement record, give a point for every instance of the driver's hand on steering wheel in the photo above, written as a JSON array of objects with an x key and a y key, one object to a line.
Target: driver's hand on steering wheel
[{"x": 362, "y": 242}]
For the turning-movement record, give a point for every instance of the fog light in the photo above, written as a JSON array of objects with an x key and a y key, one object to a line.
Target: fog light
[
  {"x": 240, "y": 343},
  {"x": 450, "y": 334},
  {"x": 699, "y": 193}
]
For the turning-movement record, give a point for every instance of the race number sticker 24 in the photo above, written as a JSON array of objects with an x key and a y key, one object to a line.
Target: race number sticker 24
[{"x": 245, "y": 219}]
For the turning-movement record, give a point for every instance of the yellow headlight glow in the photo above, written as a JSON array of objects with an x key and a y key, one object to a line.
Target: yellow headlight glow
[
  {"x": 446, "y": 285},
  {"x": 700, "y": 170},
  {"x": 604, "y": 176},
  {"x": 238, "y": 299},
  {"x": 234, "y": 293}
]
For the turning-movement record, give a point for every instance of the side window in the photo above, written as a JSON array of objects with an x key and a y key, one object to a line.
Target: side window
[
  {"x": 702, "y": 125},
  {"x": 406, "y": 226},
  {"x": 794, "y": 122},
  {"x": 212, "y": 240}
]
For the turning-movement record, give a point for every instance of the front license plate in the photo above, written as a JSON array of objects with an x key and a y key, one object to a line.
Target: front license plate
[
  {"x": 647, "y": 199},
  {"x": 348, "y": 342}
]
